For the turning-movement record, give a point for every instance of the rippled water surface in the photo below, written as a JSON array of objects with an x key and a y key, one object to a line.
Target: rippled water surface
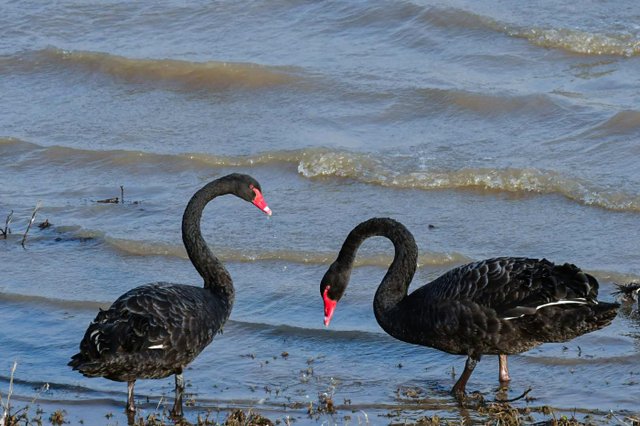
[{"x": 512, "y": 128}]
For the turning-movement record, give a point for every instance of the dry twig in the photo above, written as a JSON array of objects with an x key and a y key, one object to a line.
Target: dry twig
[
  {"x": 44, "y": 225},
  {"x": 516, "y": 398},
  {"x": 114, "y": 200},
  {"x": 6, "y": 406},
  {"x": 6, "y": 229},
  {"x": 33, "y": 217}
]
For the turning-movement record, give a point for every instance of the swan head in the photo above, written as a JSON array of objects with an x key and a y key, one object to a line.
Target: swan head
[
  {"x": 332, "y": 288},
  {"x": 247, "y": 188}
]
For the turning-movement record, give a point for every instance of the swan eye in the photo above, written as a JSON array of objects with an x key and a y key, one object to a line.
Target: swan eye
[{"x": 255, "y": 191}]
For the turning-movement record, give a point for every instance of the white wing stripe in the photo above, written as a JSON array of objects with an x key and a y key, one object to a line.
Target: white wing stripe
[{"x": 577, "y": 301}]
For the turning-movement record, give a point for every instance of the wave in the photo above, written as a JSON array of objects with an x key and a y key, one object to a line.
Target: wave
[
  {"x": 153, "y": 248},
  {"x": 409, "y": 20},
  {"x": 393, "y": 171},
  {"x": 581, "y": 42},
  {"x": 66, "y": 156},
  {"x": 260, "y": 327},
  {"x": 368, "y": 169},
  {"x": 145, "y": 248},
  {"x": 189, "y": 75},
  {"x": 430, "y": 100},
  {"x": 571, "y": 40},
  {"x": 75, "y": 305},
  {"x": 324, "y": 334},
  {"x": 621, "y": 123}
]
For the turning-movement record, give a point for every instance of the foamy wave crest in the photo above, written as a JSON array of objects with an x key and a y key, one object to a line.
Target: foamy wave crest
[
  {"x": 148, "y": 248},
  {"x": 374, "y": 169},
  {"x": 580, "y": 41},
  {"x": 572, "y": 40},
  {"x": 211, "y": 75},
  {"x": 365, "y": 168}
]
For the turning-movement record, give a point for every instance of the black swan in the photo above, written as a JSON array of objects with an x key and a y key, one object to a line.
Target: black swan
[
  {"x": 155, "y": 330},
  {"x": 498, "y": 306}
]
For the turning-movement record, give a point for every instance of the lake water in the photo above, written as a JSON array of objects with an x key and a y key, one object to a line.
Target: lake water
[{"x": 512, "y": 128}]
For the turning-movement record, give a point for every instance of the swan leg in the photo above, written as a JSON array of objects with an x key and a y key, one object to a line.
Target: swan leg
[
  {"x": 504, "y": 369},
  {"x": 459, "y": 388},
  {"x": 131, "y": 407},
  {"x": 176, "y": 411}
]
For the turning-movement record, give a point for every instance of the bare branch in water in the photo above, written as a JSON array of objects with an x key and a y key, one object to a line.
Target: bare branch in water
[
  {"x": 114, "y": 200},
  {"x": 122, "y": 194},
  {"x": 7, "y": 222},
  {"x": 33, "y": 217},
  {"x": 6, "y": 406},
  {"x": 45, "y": 224},
  {"x": 516, "y": 398}
]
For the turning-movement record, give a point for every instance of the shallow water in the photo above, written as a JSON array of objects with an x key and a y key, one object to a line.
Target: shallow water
[{"x": 511, "y": 128}]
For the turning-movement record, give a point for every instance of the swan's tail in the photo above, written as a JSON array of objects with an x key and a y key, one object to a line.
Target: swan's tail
[
  {"x": 81, "y": 363},
  {"x": 566, "y": 322}
]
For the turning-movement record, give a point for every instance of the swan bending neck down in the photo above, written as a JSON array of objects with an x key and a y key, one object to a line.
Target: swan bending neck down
[
  {"x": 499, "y": 306},
  {"x": 156, "y": 330}
]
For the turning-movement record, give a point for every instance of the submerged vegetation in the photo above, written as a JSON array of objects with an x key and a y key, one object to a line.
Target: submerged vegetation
[
  {"x": 474, "y": 410},
  {"x": 503, "y": 414}
]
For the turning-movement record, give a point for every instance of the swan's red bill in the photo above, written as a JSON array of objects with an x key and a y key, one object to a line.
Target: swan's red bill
[
  {"x": 260, "y": 202},
  {"x": 329, "y": 306}
]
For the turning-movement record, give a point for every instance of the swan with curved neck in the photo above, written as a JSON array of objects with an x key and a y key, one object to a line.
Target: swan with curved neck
[
  {"x": 499, "y": 306},
  {"x": 156, "y": 330}
]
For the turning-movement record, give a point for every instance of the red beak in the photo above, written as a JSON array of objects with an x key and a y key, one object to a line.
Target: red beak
[
  {"x": 260, "y": 202},
  {"x": 329, "y": 306}
]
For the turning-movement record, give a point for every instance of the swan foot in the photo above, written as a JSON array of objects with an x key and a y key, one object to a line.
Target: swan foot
[
  {"x": 503, "y": 375},
  {"x": 459, "y": 394},
  {"x": 176, "y": 411},
  {"x": 131, "y": 406},
  {"x": 460, "y": 387},
  {"x": 131, "y": 418}
]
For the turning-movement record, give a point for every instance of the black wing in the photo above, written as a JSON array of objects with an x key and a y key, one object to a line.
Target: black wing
[
  {"x": 495, "y": 306},
  {"x": 513, "y": 286},
  {"x": 177, "y": 321}
]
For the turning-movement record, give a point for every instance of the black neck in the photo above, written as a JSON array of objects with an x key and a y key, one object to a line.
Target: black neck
[
  {"x": 215, "y": 275},
  {"x": 395, "y": 283}
]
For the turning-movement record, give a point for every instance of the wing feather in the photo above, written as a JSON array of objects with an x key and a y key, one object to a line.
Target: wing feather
[
  {"x": 512, "y": 285},
  {"x": 167, "y": 322}
]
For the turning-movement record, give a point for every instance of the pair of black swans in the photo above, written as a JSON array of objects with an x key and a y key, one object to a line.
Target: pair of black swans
[{"x": 498, "y": 306}]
